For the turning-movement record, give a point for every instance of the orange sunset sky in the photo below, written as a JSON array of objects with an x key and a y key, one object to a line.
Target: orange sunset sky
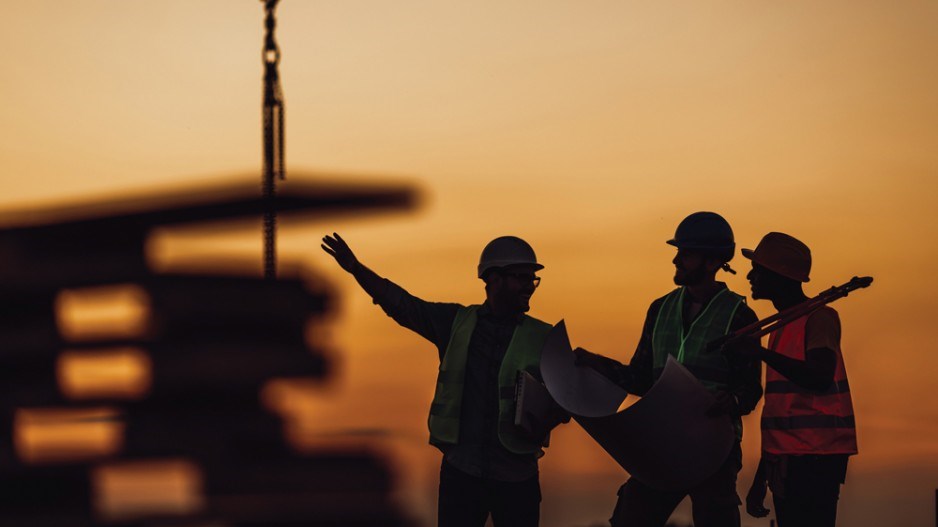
[{"x": 588, "y": 128}]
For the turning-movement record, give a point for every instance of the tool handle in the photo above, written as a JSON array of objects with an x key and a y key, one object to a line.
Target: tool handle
[{"x": 787, "y": 316}]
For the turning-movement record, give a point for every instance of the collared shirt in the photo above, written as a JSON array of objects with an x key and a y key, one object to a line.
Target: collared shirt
[{"x": 478, "y": 452}]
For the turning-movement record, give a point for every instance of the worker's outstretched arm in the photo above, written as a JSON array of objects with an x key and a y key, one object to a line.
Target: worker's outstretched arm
[
  {"x": 373, "y": 284},
  {"x": 431, "y": 320}
]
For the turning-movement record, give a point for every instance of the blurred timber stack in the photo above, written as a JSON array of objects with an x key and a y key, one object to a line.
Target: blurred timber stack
[{"x": 186, "y": 438}]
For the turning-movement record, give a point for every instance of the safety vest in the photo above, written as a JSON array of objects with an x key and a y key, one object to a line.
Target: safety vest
[
  {"x": 797, "y": 420},
  {"x": 524, "y": 353},
  {"x": 713, "y": 322}
]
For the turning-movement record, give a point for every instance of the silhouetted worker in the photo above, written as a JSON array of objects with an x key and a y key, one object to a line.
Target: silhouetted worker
[
  {"x": 680, "y": 324},
  {"x": 489, "y": 465},
  {"x": 808, "y": 430}
]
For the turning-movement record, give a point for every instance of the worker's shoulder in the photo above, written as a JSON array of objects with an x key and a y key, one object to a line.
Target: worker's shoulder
[
  {"x": 733, "y": 295},
  {"x": 656, "y": 303},
  {"x": 448, "y": 310},
  {"x": 825, "y": 311},
  {"x": 655, "y": 307},
  {"x": 744, "y": 315},
  {"x": 824, "y": 316}
]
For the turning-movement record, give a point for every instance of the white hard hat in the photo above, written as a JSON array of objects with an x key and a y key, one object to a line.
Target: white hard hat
[{"x": 504, "y": 251}]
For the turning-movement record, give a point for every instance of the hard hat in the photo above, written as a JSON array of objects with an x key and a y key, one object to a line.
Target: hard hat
[
  {"x": 783, "y": 254},
  {"x": 504, "y": 251},
  {"x": 706, "y": 231}
]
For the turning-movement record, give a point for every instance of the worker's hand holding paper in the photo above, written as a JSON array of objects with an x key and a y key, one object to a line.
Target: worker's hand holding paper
[
  {"x": 665, "y": 440},
  {"x": 580, "y": 390}
]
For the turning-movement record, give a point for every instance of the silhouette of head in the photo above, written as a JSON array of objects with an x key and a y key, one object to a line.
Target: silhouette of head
[
  {"x": 705, "y": 244},
  {"x": 507, "y": 266},
  {"x": 780, "y": 263}
]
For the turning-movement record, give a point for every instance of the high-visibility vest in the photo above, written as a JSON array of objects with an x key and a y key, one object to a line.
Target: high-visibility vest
[
  {"x": 713, "y": 322},
  {"x": 797, "y": 420},
  {"x": 524, "y": 353}
]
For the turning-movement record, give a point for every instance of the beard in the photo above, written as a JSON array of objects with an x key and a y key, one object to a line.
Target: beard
[{"x": 691, "y": 277}]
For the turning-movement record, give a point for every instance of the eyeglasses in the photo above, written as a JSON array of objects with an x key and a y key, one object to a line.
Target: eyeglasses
[{"x": 525, "y": 278}]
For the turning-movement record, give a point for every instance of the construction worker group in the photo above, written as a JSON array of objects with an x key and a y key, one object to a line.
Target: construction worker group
[{"x": 490, "y": 465}]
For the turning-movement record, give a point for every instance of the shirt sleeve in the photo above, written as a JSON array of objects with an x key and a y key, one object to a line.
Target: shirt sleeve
[
  {"x": 822, "y": 330},
  {"x": 431, "y": 320}
]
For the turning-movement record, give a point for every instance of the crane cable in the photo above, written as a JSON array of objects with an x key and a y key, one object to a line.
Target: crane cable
[{"x": 273, "y": 116}]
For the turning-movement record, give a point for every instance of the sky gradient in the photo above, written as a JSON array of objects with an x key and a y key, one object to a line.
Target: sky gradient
[{"x": 590, "y": 129}]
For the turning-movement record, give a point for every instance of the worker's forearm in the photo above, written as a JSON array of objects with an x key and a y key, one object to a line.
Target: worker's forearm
[
  {"x": 637, "y": 378},
  {"x": 759, "y": 477},
  {"x": 814, "y": 373},
  {"x": 373, "y": 284}
]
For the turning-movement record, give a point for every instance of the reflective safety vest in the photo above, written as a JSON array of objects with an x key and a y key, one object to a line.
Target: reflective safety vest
[
  {"x": 797, "y": 420},
  {"x": 713, "y": 322},
  {"x": 524, "y": 353}
]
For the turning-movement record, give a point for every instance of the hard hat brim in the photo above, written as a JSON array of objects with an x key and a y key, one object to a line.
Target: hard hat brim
[{"x": 701, "y": 246}]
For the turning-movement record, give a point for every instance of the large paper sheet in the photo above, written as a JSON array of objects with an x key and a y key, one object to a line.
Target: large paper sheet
[
  {"x": 664, "y": 440},
  {"x": 580, "y": 390}
]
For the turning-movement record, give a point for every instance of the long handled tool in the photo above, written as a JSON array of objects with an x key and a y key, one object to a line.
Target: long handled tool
[{"x": 787, "y": 316}]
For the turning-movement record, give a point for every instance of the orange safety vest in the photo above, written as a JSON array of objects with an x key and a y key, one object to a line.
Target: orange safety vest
[{"x": 797, "y": 420}]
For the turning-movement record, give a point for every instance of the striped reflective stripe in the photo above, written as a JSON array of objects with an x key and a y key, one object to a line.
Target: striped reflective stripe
[
  {"x": 807, "y": 421},
  {"x": 790, "y": 387}
]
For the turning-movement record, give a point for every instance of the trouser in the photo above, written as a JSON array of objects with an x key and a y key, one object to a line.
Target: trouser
[
  {"x": 467, "y": 501},
  {"x": 811, "y": 490},
  {"x": 715, "y": 502}
]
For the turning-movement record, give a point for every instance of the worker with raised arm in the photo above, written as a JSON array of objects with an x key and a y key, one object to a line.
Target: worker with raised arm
[
  {"x": 490, "y": 465},
  {"x": 808, "y": 429},
  {"x": 680, "y": 324}
]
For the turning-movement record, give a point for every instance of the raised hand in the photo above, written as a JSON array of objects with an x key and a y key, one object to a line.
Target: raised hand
[{"x": 336, "y": 247}]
